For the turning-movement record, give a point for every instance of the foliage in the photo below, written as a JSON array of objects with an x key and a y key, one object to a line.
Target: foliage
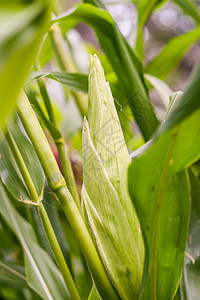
[{"x": 109, "y": 224}]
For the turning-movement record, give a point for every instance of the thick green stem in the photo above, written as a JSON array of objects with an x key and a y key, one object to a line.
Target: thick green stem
[
  {"x": 60, "y": 144},
  {"x": 68, "y": 173},
  {"x": 45, "y": 96},
  {"x": 65, "y": 63},
  {"x": 44, "y": 218},
  {"x": 58, "y": 186}
]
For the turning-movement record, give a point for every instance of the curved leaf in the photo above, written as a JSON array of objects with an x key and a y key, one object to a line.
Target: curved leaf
[
  {"x": 21, "y": 32},
  {"x": 172, "y": 53},
  {"x": 124, "y": 62},
  {"x": 161, "y": 88},
  {"x": 189, "y": 8},
  {"x": 188, "y": 104},
  {"x": 74, "y": 81}
]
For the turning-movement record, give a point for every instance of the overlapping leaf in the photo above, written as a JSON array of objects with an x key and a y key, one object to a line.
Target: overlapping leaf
[
  {"x": 12, "y": 274},
  {"x": 8, "y": 169},
  {"x": 42, "y": 274},
  {"x": 124, "y": 62},
  {"x": 159, "y": 188}
]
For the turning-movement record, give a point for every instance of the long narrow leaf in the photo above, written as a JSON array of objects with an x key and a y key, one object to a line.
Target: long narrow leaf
[
  {"x": 159, "y": 172},
  {"x": 74, "y": 81},
  {"x": 12, "y": 275},
  {"x": 189, "y": 287}
]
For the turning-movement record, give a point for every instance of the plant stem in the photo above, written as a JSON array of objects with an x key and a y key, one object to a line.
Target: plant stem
[
  {"x": 65, "y": 63},
  {"x": 58, "y": 186},
  {"x": 44, "y": 218},
  {"x": 60, "y": 144},
  {"x": 68, "y": 172},
  {"x": 58, "y": 253},
  {"x": 22, "y": 166},
  {"x": 45, "y": 96}
]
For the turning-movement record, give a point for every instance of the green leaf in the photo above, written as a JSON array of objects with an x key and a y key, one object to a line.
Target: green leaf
[
  {"x": 159, "y": 189},
  {"x": 189, "y": 287},
  {"x": 42, "y": 274},
  {"x": 74, "y": 81},
  {"x": 161, "y": 88},
  {"x": 188, "y": 103},
  {"x": 12, "y": 274},
  {"x": 8, "y": 169},
  {"x": 124, "y": 62},
  {"x": 54, "y": 131},
  {"x": 171, "y": 54},
  {"x": 145, "y": 9},
  {"x": 93, "y": 295},
  {"x": 107, "y": 206},
  {"x": 21, "y": 32},
  {"x": 189, "y": 8},
  {"x": 10, "y": 174},
  {"x": 46, "y": 51}
]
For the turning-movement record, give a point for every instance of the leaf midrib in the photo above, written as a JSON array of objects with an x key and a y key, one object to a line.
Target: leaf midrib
[{"x": 154, "y": 251}]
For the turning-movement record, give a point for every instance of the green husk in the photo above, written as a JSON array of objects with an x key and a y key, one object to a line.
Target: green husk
[{"x": 107, "y": 208}]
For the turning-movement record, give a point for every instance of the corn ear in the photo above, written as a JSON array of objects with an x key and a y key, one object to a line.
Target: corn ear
[{"x": 107, "y": 208}]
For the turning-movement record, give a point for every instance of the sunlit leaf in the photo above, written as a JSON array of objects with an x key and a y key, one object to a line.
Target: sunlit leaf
[{"x": 21, "y": 32}]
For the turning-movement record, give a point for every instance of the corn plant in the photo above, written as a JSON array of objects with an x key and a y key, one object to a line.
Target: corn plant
[{"x": 128, "y": 228}]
